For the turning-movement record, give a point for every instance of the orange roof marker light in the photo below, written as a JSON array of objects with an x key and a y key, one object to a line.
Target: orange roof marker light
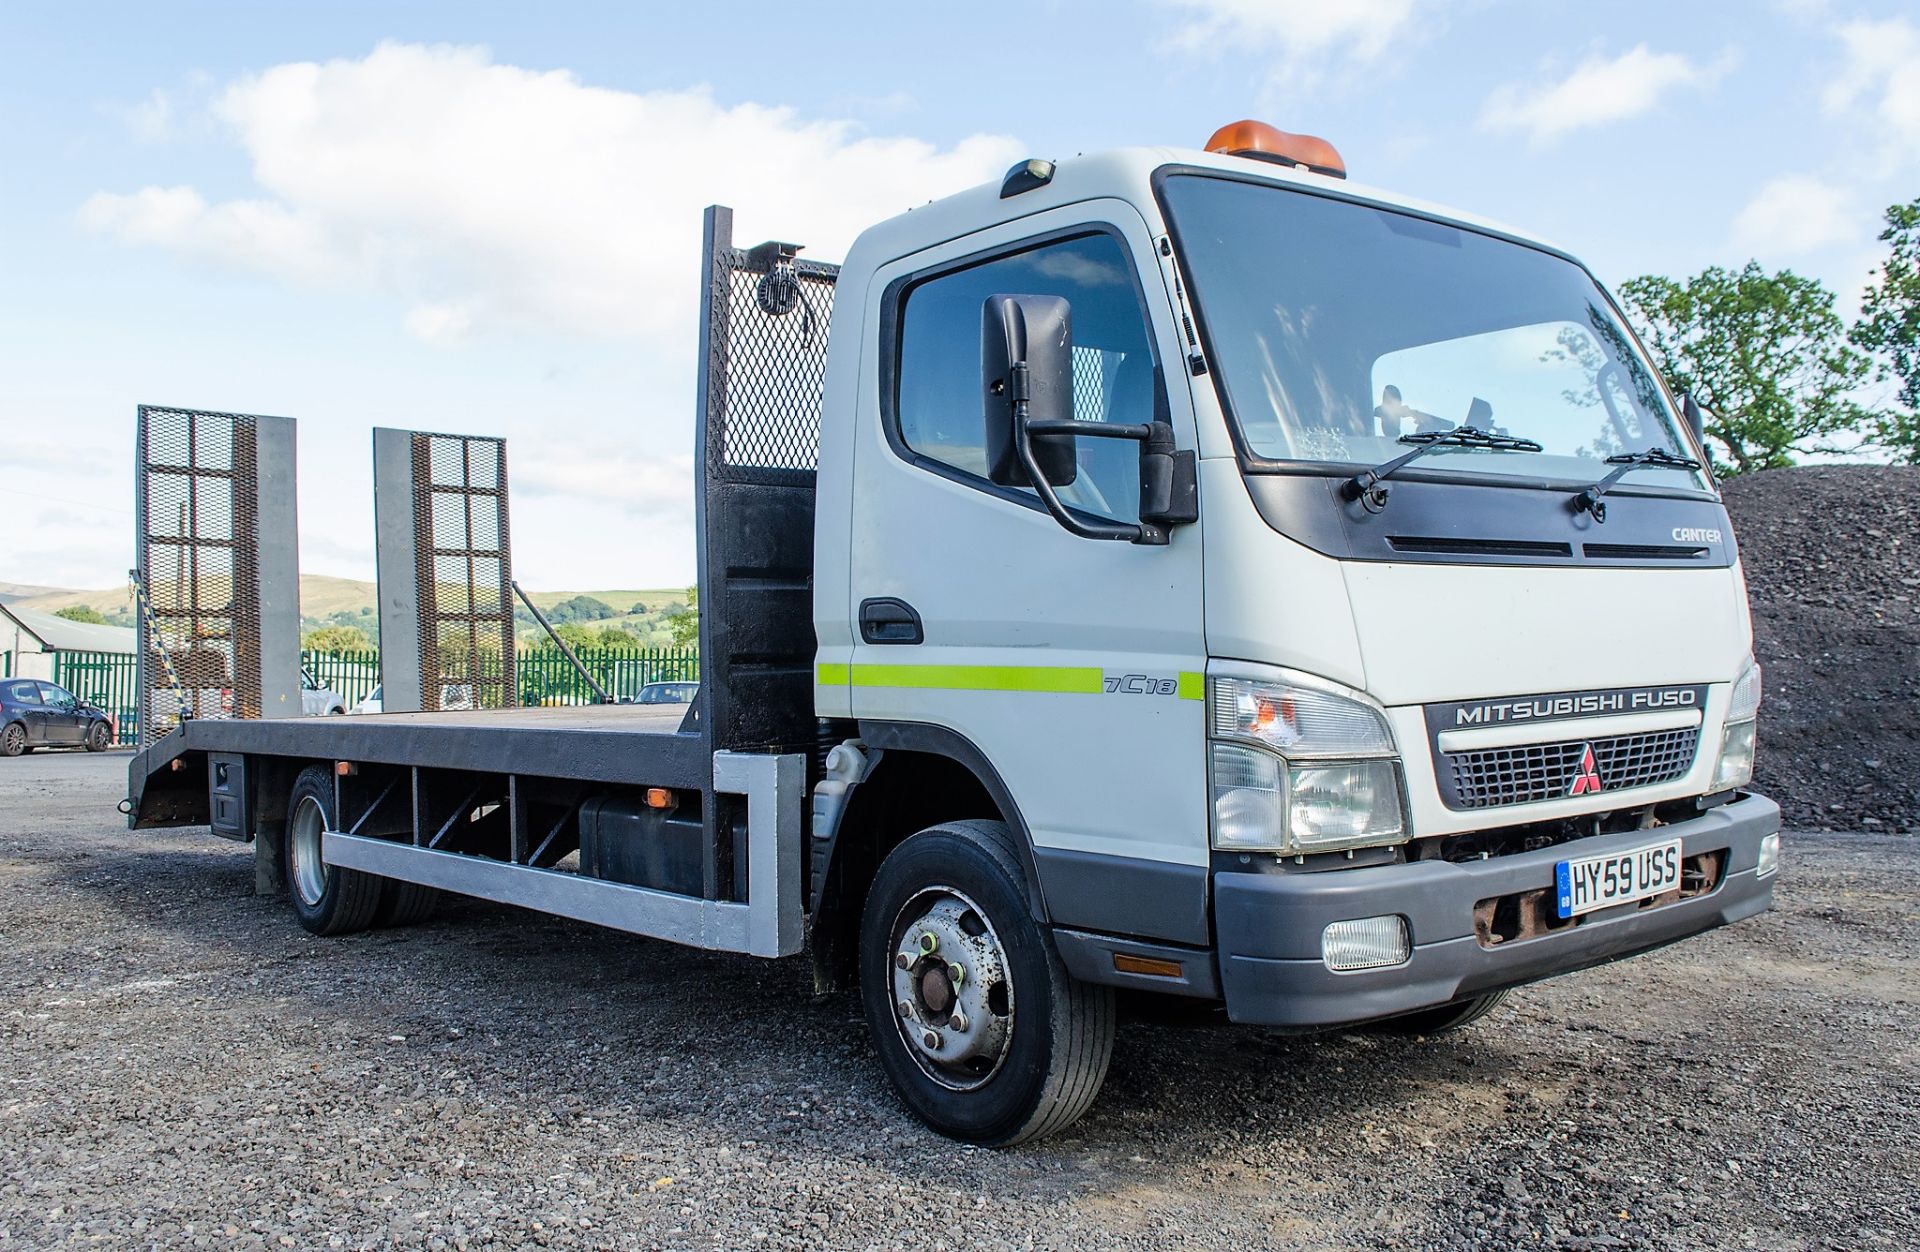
[{"x": 1269, "y": 143}]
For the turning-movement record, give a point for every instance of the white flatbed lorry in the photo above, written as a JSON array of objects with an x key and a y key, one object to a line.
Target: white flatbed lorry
[{"x": 1186, "y": 572}]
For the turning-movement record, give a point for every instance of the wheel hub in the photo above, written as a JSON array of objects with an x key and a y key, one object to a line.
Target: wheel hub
[
  {"x": 952, "y": 989},
  {"x": 306, "y": 868}
]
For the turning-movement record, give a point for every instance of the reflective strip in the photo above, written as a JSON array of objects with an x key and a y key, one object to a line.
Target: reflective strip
[{"x": 1059, "y": 679}]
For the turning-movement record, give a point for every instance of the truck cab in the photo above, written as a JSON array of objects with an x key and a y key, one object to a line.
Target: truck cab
[{"x": 1322, "y": 738}]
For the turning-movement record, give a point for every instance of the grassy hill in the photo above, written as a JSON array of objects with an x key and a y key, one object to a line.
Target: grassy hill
[{"x": 326, "y": 601}]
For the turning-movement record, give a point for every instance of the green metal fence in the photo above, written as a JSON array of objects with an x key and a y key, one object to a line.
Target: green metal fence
[
  {"x": 353, "y": 675},
  {"x": 105, "y": 679},
  {"x": 545, "y": 675}
]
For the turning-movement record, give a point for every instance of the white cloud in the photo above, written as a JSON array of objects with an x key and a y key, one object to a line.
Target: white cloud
[
  {"x": 1307, "y": 34},
  {"x": 151, "y": 121},
  {"x": 1598, "y": 91},
  {"x": 1796, "y": 214},
  {"x": 1882, "y": 77},
  {"x": 490, "y": 196},
  {"x": 607, "y": 478}
]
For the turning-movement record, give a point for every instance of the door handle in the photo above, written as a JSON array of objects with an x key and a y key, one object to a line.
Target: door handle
[{"x": 887, "y": 620}]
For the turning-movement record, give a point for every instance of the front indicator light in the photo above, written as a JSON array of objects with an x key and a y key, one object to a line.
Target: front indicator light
[
  {"x": 1366, "y": 943},
  {"x": 1769, "y": 856}
]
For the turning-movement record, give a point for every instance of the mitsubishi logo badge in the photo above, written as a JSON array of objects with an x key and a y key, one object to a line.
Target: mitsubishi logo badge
[{"x": 1588, "y": 779}]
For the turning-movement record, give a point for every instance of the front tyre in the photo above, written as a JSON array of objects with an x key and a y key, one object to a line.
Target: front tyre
[
  {"x": 978, "y": 1025},
  {"x": 97, "y": 737},
  {"x": 1441, "y": 1019},
  {"x": 327, "y": 899}
]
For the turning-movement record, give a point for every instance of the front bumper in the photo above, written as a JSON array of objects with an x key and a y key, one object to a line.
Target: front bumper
[{"x": 1268, "y": 926}]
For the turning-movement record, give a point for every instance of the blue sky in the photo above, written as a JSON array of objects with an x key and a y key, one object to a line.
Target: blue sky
[{"x": 483, "y": 217}]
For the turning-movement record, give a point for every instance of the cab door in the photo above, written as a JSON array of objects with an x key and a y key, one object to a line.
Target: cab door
[{"x": 1072, "y": 666}]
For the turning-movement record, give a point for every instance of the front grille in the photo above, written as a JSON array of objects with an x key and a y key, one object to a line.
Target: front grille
[{"x": 1546, "y": 771}]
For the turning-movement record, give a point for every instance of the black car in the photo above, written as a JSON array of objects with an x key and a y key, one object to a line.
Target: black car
[{"x": 37, "y": 714}]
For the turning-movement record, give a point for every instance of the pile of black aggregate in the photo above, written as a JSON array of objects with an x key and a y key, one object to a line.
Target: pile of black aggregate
[{"x": 1832, "y": 557}]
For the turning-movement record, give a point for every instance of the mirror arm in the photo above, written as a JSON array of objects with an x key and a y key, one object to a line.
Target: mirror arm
[
  {"x": 1093, "y": 430},
  {"x": 1125, "y": 532}
]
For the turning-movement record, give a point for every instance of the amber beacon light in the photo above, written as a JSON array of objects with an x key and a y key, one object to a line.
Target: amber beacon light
[{"x": 1269, "y": 143}]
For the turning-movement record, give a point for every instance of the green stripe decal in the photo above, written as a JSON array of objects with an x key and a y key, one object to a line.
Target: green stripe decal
[
  {"x": 1046, "y": 678},
  {"x": 1056, "y": 679}
]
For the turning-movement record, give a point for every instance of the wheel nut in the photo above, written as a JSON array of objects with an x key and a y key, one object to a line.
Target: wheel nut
[
  {"x": 929, "y": 942},
  {"x": 957, "y": 972},
  {"x": 903, "y": 960},
  {"x": 958, "y": 1021},
  {"x": 906, "y": 1009},
  {"x": 931, "y": 1038}
]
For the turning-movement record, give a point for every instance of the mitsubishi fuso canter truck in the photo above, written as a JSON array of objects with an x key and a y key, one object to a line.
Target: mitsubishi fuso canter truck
[{"x": 1165, "y": 571}]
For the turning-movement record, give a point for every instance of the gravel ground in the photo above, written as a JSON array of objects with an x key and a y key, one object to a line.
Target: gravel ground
[
  {"x": 1830, "y": 552},
  {"x": 185, "y": 1067}
]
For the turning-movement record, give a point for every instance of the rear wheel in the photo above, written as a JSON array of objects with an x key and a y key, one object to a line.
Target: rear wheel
[
  {"x": 13, "y": 740},
  {"x": 1438, "y": 1021},
  {"x": 97, "y": 737},
  {"x": 328, "y": 899},
  {"x": 978, "y": 1025},
  {"x": 405, "y": 903}
]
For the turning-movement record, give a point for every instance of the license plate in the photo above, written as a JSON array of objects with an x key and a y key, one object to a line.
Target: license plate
[{"x": 1598, "y": 882}]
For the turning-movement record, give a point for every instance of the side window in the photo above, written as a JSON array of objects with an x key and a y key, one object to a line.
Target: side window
[
  {"x": 57, "y": 697},
  {"x": 937, "y": 388},
  {"x": 24, "y": 693}
]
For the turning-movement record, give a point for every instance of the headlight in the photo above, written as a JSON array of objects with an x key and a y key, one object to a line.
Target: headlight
[
  {"x": 1735, "y": 766},
  {"x": 1282, "y": 788}
]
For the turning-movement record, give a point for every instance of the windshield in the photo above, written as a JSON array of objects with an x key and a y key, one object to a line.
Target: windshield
[{"x": 1335, "y": 328}]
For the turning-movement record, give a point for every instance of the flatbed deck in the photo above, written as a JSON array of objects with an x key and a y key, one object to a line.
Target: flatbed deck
[{"x": 615, "y": 743}]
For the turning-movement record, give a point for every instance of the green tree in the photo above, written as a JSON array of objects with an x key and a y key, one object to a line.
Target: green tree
[
  {"x": 336, "y": 639},
  {"x": 581, "y": 608},
  {"x": 82, "y": 613},
  {"x": 639, "y": 609},
  {"x": 1765, "y": 354},
  {"x": 1889, "y": 330},
  {"x": 684, "y": 625}
]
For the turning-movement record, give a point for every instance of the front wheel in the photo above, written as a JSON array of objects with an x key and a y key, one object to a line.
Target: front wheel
[
  {"x": 97, "y": 737},
  {"x": 1440, "y": 1020},
  {"x": 978, "y": 1025}
]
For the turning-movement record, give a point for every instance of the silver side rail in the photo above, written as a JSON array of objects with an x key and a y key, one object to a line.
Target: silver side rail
[{"x": 770, "y": 923}]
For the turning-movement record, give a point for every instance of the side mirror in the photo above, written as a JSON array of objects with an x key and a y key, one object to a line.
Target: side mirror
[
  {"x": 1026, "y": 375},
  {"x": 1696, "y": 420},
  {"x": 1169, "y": 486}
]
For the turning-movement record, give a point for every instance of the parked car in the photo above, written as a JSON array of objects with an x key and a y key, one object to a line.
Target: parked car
[
  {"x": 453, "y": 698},
  {"x": 316, "y": 700},
  {"x": 667, "y": 693},
  {"x": 37, "y": 714}
]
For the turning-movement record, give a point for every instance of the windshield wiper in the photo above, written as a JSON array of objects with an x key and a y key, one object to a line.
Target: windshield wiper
[
  {"x": 1369, "y": 488},
  {"x": 1589, "y": 501}
]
